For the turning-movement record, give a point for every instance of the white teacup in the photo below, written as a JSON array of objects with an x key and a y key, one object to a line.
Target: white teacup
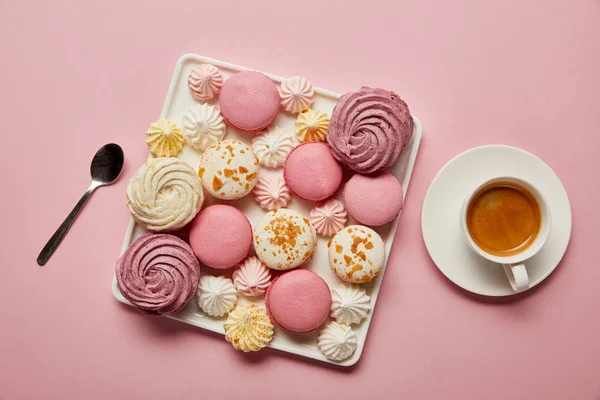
[{"x": 514, "y": 265}]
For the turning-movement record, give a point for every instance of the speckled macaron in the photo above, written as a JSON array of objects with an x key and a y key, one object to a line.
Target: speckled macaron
[
  {"x": 374, "y": 199},
  {"x": 284, "y": 239},
  {"x": 311, "y": 172},
  {"x": 221, "y": 236},
  {"x": 299, "y": 301},
  {"x": 357, "y": 254},
  {"x": 249, "y": 101},
  {"x": 228, "y": 169}
]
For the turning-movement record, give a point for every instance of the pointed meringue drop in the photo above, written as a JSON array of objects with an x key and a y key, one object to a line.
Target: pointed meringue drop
[
  {"x": 328, "y": 217},
  {"x": 216, "y": 295},
  {"x": 297, "y": 94},
  {"x": 350, "y": 304},
  {"x": 271, "y": 192},
  {"x": 272, "y": 147}
]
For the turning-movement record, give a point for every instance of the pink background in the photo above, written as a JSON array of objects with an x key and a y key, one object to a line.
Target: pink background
[{"x": 75, "y": 76}]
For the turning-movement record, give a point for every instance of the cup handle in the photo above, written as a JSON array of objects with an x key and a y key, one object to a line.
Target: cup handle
[{"x": 517, "y": 276}]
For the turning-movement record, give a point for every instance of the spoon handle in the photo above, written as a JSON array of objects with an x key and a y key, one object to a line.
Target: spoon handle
[{"x": 62, "y": 230}]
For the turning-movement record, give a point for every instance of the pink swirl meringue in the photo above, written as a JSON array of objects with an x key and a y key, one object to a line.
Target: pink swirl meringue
[
  {"x": 271, "y": 192},
  {"x": 252, "y": 277},
  {"x": 328, "y": 217},
  {"x": 158, "y": 274},
  {"x": 205, "y": 82},
  {"x": 369, "y": 129},
  {"x": 297, "y": 94}
]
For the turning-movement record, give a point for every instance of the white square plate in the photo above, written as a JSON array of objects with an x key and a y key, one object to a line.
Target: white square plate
[{"x": 178, "y": 100}]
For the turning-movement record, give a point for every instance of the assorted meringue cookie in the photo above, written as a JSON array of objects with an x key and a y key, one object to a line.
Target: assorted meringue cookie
[
  {"x": 337, "y": 342},
  {"x": 328, "y": 217},
  {"x": 203, "y": 125},
  {"x": 350, "y": 304},
  {"x": 297, "y": 94},
  {"x": 311, "y": 126},
  {"x": 271, "y": 192},
  {"x": 248, "y": 328},
  {"x": 216, "y": 295},
  {"x": 158, "y": 274},
  {"x": 164, "y": 194},
  {"x": 205, "y": 82},
  {"x": 164, "y": 138},
  {"x": 252, "y": 277},
  {"x": 272, "y": 147},
  {"x": 369, "y": 129}
]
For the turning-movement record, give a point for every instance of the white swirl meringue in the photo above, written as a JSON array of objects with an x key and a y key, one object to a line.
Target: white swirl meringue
[
  {"x": 328, "y": 217},
  {"x": 350, "y": 304},
  {"x": 337, "y": 342},
  {"x": 205, "y": 82},
  {"x": 216, "y": 295},
  {"x": 164, "y": 194},
  {"x": 248, "y": 328},
  {"x": 311, "y": 126},
  {"x": 252, "y": 277},
  {"x": 272, "y": 147},
  {"x": 164, "y": 138},
  {"x": 203, "y": 125},
  {"x": 297, "y": 94},
  {"x": 271, "y": 192}
]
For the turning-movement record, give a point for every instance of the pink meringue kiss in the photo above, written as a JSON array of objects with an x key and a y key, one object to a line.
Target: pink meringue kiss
[
  {"x": 252, "y": 278},
  {"x": 328, "y": 217},
  {"x": 205, "y": 82},
  {"x": 271, "y": 192},
  {"x": 158, "y": 274}
]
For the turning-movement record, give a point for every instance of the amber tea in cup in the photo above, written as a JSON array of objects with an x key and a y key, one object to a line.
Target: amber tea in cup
[{"x": 503, "y": 218}]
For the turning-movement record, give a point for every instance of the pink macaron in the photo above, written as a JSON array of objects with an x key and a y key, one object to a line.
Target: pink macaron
[
  {"x": 311, "y": 172},
  {"x": 299, "y": 301},
  {"x": 374, "y": 199},
  {"x": 221, "y": 236},
  {"x": 249, "y": 101}
]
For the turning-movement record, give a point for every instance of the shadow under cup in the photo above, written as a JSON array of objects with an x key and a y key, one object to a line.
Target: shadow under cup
[{"x": 490, "y": 198}]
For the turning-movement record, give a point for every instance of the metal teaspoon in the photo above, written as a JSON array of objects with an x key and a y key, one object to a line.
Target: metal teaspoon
[{"x": 105, "y": 169}]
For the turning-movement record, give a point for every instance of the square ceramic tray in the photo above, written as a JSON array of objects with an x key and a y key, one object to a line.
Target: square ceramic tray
[{"x": 178, "y": 100}]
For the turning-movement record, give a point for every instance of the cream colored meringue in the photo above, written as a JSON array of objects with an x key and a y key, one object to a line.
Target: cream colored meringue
[
  {"x": 203, "y": 125},
  {"x": 216, "y": 295},
  {"x": 311, "y": 126},
  {"x": 205, "y": 82},
  {"x": 248, "y": 328},
  {"x": 297, "y": 94},
  {"x": 328, "y": 217},
  {"x": 337, "y": 342},
  {"x": 350, "y": 304},
  {"x": 272, "y": 147},
  {"x": 252, "y": 277},
  {"x": 164, "y": 138},
  {"x": 164, "y": 194},
  {"x": 271, "y": 192}
]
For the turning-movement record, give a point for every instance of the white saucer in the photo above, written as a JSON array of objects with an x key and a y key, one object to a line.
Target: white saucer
[{"x": 441, "y": 209}]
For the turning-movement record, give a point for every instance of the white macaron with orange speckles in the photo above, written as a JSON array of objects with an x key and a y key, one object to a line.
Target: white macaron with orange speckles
[
  {"x": 228, "y": 170},
  {"x": 357, "y": 254}
]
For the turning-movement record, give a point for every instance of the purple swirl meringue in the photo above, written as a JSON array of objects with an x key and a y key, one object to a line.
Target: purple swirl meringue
[
  {"x": 369, "y": 129},
  {"x": 158, "y": 274}
]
